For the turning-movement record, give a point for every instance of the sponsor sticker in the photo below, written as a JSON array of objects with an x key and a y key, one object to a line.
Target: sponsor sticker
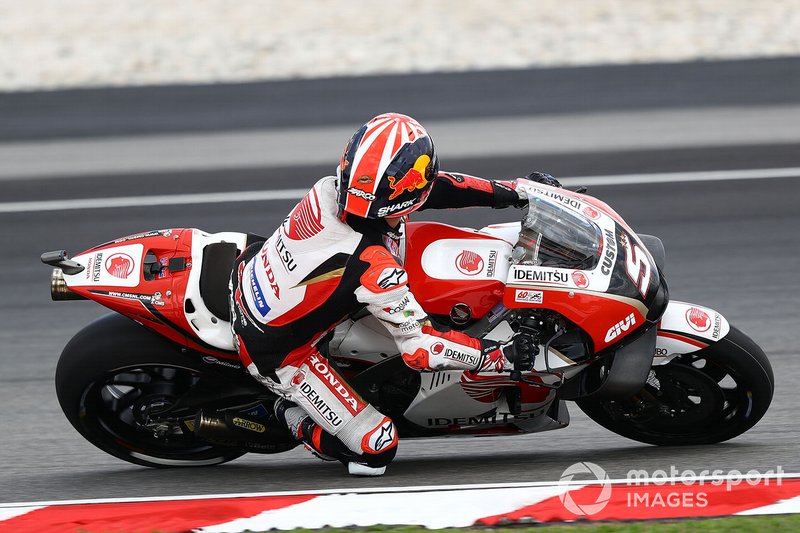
[
  {"x": 389, "y": 209},
  {"x": 392, "y": 277},
  {"x": 355, "y": 191},
  {"x": 399, "y": 307},
  {"x": 119, "y": 265},
  {"x": 698, "y": 319},
  {"x": 591, "y": 212},
  {"x": 469, "y": 263},
  {"x": 248, "y": 425},
  {"x": 415, "y": 178},
  {"x": 620, "y": 327},
  {"x": 610, "y": 254},
  {"x": 528, "y": 296},
  {"x": 382, "y": 437},
  {"x": 491, "y": 263},
  {"x": 540, "y": 276},
  {"x": 580, "y": 279},
  {"x": 333, "y": 383}
]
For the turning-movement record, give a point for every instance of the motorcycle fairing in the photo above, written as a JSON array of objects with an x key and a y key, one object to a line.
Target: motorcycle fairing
[
  {"x": 687, "y": 328},
  {"x": 611, "y": 300},
  {"x": 154, "y": 279},
  {"x": 448, "y": 265}
]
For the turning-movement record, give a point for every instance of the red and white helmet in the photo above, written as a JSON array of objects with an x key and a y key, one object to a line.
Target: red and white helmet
[{"x": 387, "y": 168}]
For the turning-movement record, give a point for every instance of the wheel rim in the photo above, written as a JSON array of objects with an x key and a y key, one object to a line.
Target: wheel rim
[
  {"x": 129, "y": 409},
  {"x": 690, "y": 396}
]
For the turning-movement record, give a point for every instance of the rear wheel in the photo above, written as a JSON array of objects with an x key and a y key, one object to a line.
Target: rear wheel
[
  {"x": 708, "y": 396},
  {"x": 118, "y": 385}
]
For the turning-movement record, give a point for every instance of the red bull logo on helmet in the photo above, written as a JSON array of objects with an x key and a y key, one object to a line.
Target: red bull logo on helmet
[{"x": 414, "y": 179}]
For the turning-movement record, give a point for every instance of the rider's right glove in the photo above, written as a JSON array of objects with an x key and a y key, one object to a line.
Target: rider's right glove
[
  {"x": 544, "y": 179},
  {"x": 518, "y": 354}
]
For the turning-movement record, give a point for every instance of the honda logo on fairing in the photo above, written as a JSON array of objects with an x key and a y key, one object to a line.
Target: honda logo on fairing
[
  {"x": 119, "y": 265},
  {"x": 469, "y": 263},
  {"x": 620, "y": 327},
  {"x": 698, "y": 319}
]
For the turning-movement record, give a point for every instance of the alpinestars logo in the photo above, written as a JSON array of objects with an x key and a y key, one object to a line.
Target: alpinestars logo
[
  {"x": 385, "y": 436},
  {"x": 392, "y": 277}
]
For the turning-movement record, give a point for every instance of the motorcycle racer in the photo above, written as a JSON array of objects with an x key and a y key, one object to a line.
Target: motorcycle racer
[{"x": 336, "y": 253}]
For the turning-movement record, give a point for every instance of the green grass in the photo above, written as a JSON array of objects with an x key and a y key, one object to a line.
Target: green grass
[{"x": 739, "y": 524}]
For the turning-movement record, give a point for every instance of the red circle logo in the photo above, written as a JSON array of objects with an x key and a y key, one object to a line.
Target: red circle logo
[
  {"x": 469, "y": 263},
  {"x": 591, "y": 212},
  {"x": 698, "y": 319},
  {"x": 580, "y": 279},
  {"x": 119, "y": 265},
  {"x": 437, "y": 348}
]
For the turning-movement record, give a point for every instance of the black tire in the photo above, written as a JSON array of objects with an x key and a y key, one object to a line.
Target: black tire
[
  {"x": 705, "y": 397},
  {"x": 113, "y": 361}
]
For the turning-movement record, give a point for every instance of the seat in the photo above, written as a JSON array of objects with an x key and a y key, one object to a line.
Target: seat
[{"x": 218, "y": 259}]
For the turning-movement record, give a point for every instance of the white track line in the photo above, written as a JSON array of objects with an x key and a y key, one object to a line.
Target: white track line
[
  {"x": 292, "y": 194},
  {"x": 414, "y": 488}
]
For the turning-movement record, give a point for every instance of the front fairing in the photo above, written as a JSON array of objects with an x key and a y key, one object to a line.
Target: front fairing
[{"x": 576, "y": 256}]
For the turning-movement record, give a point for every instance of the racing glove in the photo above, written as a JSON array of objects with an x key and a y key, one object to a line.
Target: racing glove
[
  {"x": 538, "y": 177},
  {"x": 518, "y": 354},
  {"x": 544, "y": 179}
]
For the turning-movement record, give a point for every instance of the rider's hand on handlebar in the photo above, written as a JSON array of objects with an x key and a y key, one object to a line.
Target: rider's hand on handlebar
[
  {"x": 521, "y": 351},
  {"x": 518, "y": 354},
  {"x": 544, "y": 179},
  {"x": 537, "y": 177}
]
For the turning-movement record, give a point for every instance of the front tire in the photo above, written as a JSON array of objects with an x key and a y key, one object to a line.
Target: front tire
[
  {"x": 113, "y": 376},
  {"x": 704, "y": 397}
]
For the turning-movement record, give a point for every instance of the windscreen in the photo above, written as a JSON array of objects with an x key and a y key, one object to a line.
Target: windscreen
[{"x": 554, "y": 236}]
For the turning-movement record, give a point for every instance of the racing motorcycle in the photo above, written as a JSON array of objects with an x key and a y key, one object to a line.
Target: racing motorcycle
[{"x": 158, "y": 383}]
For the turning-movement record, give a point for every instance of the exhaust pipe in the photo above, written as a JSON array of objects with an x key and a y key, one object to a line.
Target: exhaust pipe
[
  {"x": 226, "y": 428},
  {"x": 59, "y": 291}
]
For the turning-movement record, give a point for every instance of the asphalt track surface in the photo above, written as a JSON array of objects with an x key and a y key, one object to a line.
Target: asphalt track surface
[{"x": 731, "y": 245}]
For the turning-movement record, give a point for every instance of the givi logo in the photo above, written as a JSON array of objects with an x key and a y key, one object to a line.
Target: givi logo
[{"x": 623, "y": 325}]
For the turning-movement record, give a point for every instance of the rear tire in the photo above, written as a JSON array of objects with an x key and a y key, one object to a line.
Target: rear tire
[
  {"x": 704, "y": 397},
  {"x": 112, "y": 375}
]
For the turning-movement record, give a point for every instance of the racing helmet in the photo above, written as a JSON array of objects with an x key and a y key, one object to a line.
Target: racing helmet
[{"x": 387, "y": 168}]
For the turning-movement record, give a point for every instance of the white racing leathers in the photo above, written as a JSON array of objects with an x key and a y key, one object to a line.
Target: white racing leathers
[{"x": 315, "y": 271}]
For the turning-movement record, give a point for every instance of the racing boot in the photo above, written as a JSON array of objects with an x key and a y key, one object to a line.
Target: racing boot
[{"x": 320, "y": 443}]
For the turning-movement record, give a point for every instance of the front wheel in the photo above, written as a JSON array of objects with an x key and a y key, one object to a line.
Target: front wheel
[
  {"x": 114, "y": 381},
  {"x": 704, "y": 397}
]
